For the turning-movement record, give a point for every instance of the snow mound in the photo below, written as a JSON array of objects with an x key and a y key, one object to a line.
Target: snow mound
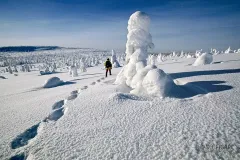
[
  {"x": 205, "y": 58},
  {"x": 155, "y": 83},
  {"x": 52, "y": 82},
  {"x": 138, "y": 78},
  {"x": 124, "y": 88}
]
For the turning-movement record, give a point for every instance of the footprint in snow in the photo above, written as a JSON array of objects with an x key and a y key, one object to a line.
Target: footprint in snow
[
  {"x": 84, "y": 87},
  {"x": 102, "y": 78},
  {"x": 72, "y": 97},
  {"x": 93, "y": 83},
  {"x": 23, "y": 138},
  {"x": 99, "y": 80},
  {"x": 74, "y": 92},
  {"x": 58, "y": 104},
  {"x": 55, "y": 115},
  {"x": 20, "y": 156}
]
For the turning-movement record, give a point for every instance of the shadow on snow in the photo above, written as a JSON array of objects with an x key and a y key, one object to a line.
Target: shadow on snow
[
  {"x": 198, "y": 87},
  {"x": 199, "y": 73},
  {"x": 23, "y": 138}
]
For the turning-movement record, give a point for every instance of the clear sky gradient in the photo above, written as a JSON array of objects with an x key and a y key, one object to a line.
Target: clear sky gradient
[{"x": 175, "y": 25}]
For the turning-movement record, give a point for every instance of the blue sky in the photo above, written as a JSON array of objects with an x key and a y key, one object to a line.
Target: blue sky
[{"x": 175, "y": 25}]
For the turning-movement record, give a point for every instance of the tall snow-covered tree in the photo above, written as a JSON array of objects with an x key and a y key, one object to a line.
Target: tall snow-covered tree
[{"x": 135, "y": 74}]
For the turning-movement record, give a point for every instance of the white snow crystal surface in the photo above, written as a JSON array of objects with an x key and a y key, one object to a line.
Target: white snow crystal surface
[{"x": 104, "y": 123}]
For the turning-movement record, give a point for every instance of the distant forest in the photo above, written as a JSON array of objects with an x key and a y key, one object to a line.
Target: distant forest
[{"x": 26, "y": 48}]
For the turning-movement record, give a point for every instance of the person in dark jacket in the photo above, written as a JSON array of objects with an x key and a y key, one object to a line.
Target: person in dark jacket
[{"x": 108, "y": 66}]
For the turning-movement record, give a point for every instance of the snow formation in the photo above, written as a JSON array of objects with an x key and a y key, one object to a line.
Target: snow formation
[
  {"x": 52, "y": 82},
  {"x": 205, "y": 58},
  {"x": 139, "y": 40}
]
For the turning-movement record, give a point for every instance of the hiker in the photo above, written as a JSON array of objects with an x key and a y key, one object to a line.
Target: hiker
[{"x": 108, "y": 66}]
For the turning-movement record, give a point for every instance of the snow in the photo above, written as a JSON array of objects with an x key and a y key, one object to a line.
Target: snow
[
  {"x": 203, "y": 59},
  {"x": 198, "y": 120},
  {"x": 157, "y": 82},
  {"x": 52, "y": 82}
]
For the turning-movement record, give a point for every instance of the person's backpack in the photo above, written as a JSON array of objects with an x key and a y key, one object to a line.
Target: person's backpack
[{"x": 108, "y": 64}]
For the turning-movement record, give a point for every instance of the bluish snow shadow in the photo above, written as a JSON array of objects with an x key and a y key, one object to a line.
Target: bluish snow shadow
[
  {"x": 58, "y": 104},
  {"x": 23, "y": 138},
  {"x": 199, "y": 73},
  {"x": 196, "y": 88},
  {"x": 18, "y": 157}
]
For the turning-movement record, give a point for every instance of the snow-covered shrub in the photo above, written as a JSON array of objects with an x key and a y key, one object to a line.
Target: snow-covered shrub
[
  {"x": 228, "y": 50},
  {"x": 205, "y": 58},
  {"x": 74, "y": 72},
  {"x": 52, "y": 82},
  {"x": 10, "y": 70},
  {"x": 15, "y": 69},
  {"x": 82, "y": 66},
  {"x": 27, "y": 68},
  {"x": 215, "y": 52},
  {"x": 182, "y": 54},
  {"x": 198, "y": 53},
  {"x": 114, "y": 60},
  {"x": 23, "y": 68},
  {"x": 237, "y": 51},
  {"x": 151, "y": 59},
  {"x": 160, "y": 58}
]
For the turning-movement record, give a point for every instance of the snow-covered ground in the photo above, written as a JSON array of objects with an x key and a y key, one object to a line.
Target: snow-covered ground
[{"x": 93, "y": 120}]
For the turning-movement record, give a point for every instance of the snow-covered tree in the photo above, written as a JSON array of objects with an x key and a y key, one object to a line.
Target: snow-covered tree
[
  {"x": 27, "y": 68},
  {"x": 198, "y": 53},
  {"x": 215, "y": 52},
  {"x": 135, "y": 74},
  {"x": 114, "y": 60},
  {"x": 10, "y": 70},
  {"x": 15, "y": 69},
  {"x": 152, "y": 59},
  {"x": 54, "y": 66},
  {"x": 160, "y": 58},
  {"x": 228, "y": 50},
  {"x": 82, "y": 66},
  {"x": 74, "y": 71}
]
